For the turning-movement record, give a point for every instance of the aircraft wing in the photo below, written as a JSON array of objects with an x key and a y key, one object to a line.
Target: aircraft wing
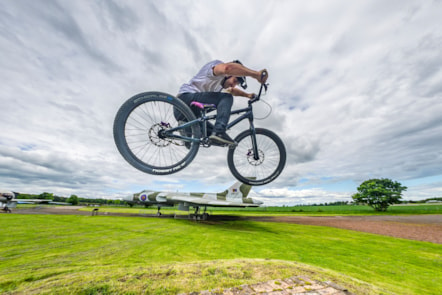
[
  {"x": 8, "y": 200},
  {"x": 33, "y": 201}
]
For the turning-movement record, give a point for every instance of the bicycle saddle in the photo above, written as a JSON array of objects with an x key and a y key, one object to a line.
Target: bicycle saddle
[{"x": 203, "y": 106}]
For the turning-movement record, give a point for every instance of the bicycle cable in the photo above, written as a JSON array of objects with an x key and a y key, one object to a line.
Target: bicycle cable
[{"x": 270, "y": 110}]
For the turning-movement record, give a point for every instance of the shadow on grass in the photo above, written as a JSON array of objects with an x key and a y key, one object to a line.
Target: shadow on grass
[{"x": 233, "y": 223}]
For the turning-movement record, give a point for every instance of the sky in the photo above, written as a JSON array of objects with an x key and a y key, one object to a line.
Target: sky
[{"x": 355, "y": 91}]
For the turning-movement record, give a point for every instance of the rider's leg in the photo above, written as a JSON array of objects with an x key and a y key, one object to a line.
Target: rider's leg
[
  {"x": 219, "y": 135},
  {"x": 209, "y": 127},
  {"x": 223, "y": 102}
]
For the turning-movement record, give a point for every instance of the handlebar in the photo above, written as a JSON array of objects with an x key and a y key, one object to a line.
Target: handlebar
[{"x": 263, "y": 85}]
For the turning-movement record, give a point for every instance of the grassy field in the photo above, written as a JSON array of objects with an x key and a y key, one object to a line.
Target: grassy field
[
  {"x": 55, "y": 254},
  {"x": 296, "y": 210}
]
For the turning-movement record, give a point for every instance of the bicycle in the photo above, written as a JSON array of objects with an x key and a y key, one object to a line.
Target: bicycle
[{"x": 159, "y": 134}]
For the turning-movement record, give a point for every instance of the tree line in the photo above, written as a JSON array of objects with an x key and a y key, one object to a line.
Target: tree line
[
  {"x": 377, "y": 193},
  {"x": 73, "y": 199}
]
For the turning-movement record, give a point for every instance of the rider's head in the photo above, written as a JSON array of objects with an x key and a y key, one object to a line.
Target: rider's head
[{"x": 232, "y": 81}]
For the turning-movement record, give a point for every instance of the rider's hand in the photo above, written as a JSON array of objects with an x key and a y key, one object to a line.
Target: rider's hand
[
  {"x": 251, "y": 95},
  {"x": 263, "y": 75}
]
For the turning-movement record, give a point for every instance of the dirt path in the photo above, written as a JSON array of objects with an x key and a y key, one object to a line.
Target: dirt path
[
  {"x": 293, "y": 285},
  {"x": 414, "y": 227}
]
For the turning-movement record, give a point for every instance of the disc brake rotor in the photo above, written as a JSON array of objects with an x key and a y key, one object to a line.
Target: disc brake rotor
[
  {"x": 154, "y": 134},
  {"x": 156, "y": 137},
  {"x": 252, "y": 160}
]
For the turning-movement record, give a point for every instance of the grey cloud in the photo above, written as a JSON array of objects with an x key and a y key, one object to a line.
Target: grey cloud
[
  {"x": 46, "y": 169},
  {"x": 36, "y": 159},
  {"x": 301, "y": 149},
  {"x": 120, "y": 16},
  {"x": 70, "y": 107},
  {"x": 59, "y": 19}
]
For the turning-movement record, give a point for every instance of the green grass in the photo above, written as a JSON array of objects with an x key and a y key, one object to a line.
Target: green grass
[
  {"x": 296, "y": 210},
  {"x": 57, "y": 254},
  {"x": 337, "y": 210}
]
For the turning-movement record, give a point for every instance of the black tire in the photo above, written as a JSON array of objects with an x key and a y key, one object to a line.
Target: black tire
[
  {"x": 137, "y": 128},
  {"x": 271, "y": 162}
]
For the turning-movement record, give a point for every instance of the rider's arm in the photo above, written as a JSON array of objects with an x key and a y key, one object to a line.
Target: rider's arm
[
  {"x": 235, "y": 69},
  {"x": 238, "y": 92}
]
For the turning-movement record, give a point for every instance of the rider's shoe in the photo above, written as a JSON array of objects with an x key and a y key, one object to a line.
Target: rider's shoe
[
  {"x": 215, "y": 143},
  {"x": 222, "y": 138}
]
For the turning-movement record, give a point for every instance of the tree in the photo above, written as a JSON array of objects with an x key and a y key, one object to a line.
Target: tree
[
  {"x": 46, "y": 196},
  {"x": 73, "y": 199},
  {"x": 379, "y": 193}
]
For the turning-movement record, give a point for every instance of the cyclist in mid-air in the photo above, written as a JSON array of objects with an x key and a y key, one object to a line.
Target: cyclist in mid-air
[{"x": 215, "y": 83}]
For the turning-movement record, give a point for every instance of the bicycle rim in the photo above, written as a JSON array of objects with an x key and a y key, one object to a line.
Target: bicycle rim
[{"x": 263, "y": 169}]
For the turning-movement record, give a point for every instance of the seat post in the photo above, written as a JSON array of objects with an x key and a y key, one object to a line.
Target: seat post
[
  {"x": 203, "y": 110},
  {"x": 203, "y": 122}
]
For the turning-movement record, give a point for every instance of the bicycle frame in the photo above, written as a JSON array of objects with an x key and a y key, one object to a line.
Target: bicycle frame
[{"x": 247, "y": 114}]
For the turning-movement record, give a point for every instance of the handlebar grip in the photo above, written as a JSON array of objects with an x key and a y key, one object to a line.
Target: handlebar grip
[{"x": 264, "y": 74}]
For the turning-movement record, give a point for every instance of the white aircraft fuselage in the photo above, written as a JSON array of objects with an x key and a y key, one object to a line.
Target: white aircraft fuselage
[{"x": 234, "y": 196}]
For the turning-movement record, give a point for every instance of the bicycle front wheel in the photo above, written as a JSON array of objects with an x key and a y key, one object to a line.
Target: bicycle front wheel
[
  {"x": 262, "y": 168},
  {"x": 140, "y": 133}
]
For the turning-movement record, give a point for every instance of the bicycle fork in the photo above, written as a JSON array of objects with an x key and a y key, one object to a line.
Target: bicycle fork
[{"x": 254, "y": 142}]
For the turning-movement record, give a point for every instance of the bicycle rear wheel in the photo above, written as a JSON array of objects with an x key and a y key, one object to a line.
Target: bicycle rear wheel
[
  {"x": 262, "y": 169},
  {"x": 139, "y": 133}
]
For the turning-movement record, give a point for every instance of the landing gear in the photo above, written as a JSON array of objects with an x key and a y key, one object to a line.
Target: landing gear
[
  {"x": 7, "y": 210},
  {"x": 197, "y": 216},
  {"x": 158, "y": 212}
]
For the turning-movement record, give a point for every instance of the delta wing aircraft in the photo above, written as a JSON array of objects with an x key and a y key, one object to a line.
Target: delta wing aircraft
[
  {"x": 8, "y": 200},
  {"x": 234, "y": 196}
]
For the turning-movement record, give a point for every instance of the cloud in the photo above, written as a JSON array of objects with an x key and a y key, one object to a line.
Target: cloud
[{"x": 290, "y": 197}]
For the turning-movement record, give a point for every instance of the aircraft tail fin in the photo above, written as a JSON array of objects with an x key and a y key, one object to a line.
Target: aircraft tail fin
[{"x": 238, "y": 190}]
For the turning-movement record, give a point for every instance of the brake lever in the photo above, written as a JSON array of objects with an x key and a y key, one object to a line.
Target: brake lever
[{"x": 263, "y": 75}]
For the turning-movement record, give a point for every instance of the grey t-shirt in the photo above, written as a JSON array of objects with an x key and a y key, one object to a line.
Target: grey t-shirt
[{"x": 204, "y": 80}]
